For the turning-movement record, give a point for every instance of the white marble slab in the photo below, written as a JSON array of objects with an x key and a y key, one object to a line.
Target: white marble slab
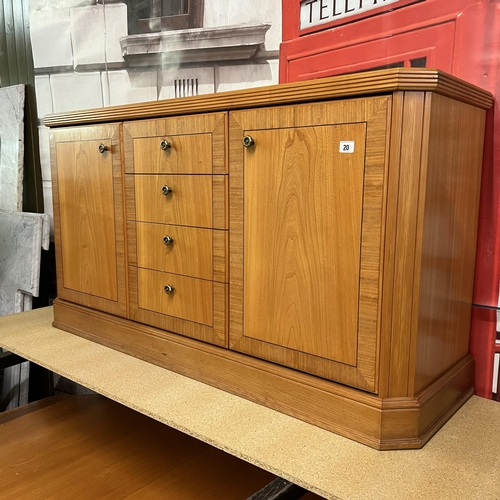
[
  {"x": 22, "y": 236},
  {"x": 11, "y": 147},
  {"x": 47, "y": 203}
]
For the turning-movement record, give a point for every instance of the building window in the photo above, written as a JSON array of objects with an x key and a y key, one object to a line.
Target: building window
[{"x": 151, "y": 16}]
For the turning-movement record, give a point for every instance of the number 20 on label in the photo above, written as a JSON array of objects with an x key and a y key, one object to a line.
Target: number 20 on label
[{"x": 346, "y": 147}]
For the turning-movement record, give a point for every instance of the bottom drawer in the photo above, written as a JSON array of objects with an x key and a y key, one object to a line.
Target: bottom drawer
[{"x": 187, "y": 298}]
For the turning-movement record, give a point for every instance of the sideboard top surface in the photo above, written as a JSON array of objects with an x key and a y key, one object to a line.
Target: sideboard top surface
[{"x": 352, "y": 85}]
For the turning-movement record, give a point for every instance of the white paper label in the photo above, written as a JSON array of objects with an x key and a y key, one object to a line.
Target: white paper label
[
  {"x": 317, "y": 12},
  {"x": 346, "y": 147}
]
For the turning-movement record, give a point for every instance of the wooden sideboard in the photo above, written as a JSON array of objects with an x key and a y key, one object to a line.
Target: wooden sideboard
[{"x": 307, "y": 246}]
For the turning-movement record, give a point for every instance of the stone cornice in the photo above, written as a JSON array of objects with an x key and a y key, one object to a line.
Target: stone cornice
[{"x": 198, "y": 45}]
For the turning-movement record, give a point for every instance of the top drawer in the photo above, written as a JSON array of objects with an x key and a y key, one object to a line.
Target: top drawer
[
  {"x": 178, "y": 145},
  {"x": 173, "y": 154}
]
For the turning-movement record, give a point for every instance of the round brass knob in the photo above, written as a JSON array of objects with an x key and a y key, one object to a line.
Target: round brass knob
[
  {"x": 167, "y": 240},
  {"x": 164, "y": 145},
  {"x": 165, "y": 190},
  {"x": 248, "y": 141},
  {"x": 168, "y": 289},
  {"x": 103, "y": 148}
]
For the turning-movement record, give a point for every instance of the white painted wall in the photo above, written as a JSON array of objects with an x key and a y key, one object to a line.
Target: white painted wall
[
  {"x": 231, "y": 12},
  {"x": 79, "y": 64}
]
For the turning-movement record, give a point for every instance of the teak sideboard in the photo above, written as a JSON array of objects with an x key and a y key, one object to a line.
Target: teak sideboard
[{"x": 307, "y": 246}]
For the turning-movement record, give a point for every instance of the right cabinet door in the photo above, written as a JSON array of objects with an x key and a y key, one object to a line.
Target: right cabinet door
[{"x": 306, "y": 230}]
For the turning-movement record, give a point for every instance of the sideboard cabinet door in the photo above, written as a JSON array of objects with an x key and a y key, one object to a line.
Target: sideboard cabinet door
[
  {"x": 306, "y": 226},
  {"x": 88, "y": 217}
]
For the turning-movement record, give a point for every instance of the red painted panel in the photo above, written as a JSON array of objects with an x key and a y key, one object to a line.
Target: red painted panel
[
  {"x": 482, "y": 347},
  {"x": 467, "y": 56},
  {"x": 434, "y": 43}
]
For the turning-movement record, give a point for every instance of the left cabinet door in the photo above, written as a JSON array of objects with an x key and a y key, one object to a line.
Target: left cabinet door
[{"x": 88, "y": 217}]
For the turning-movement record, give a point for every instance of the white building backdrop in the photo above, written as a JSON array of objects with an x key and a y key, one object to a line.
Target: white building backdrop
[{"x": 95, "y": 53}]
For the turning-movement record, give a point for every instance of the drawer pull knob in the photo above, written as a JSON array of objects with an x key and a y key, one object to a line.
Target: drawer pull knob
[
  {"x": 164, "y": 145},
  {"x": 103, "y": 148},
  {"x": 168, "y": 289},
  {"x": 248, "y": 141},
  {"x": 166, "y": 190},
  {"x": 167, "y": 240}
]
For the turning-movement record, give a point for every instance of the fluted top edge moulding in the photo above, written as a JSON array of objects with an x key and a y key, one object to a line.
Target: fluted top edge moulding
[{"x": 352, "y": 85}]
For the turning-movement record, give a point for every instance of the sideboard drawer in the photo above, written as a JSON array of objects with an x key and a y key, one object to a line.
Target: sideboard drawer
[
  {"x": 188, "y": 203},
  {"x": 194, "y": 144},
  {"x": 177, "y": 154},
  {"x": 190, "y": 299},
  {"x": 175, "y": 249}
]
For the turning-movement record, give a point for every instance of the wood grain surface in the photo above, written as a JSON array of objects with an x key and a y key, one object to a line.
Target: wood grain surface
[
  {"x": 88, "y": 447},
  {"x": 87, "y": 231},
  {"x": 191, "y": 299},
  {"x": 302, "y": 237},
  {"x": 385, "y": 424},
  {"x": 355, "y": 84},
  {"x": 189, "y": 253},
  {"x": 199, "y": 145},
  {"x": 220, "y": 200},
  {"x": 89, "y": 228},
  {"x": 221, "y": 256},
  {"x": 392, "y": 189},
  {"x": 189, "y": 204},
  {"x": 405, "y": 228},
  {"x": 451, "y": 179},
  {"x": 166, "y": 324},
  {"x": 321, "y": 204},
  {"x": 192, "y": 261},
  {"x": 187, "y": 154}
]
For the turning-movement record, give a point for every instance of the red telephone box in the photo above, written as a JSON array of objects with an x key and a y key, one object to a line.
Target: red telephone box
[{"x": 462, "y": 37}]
